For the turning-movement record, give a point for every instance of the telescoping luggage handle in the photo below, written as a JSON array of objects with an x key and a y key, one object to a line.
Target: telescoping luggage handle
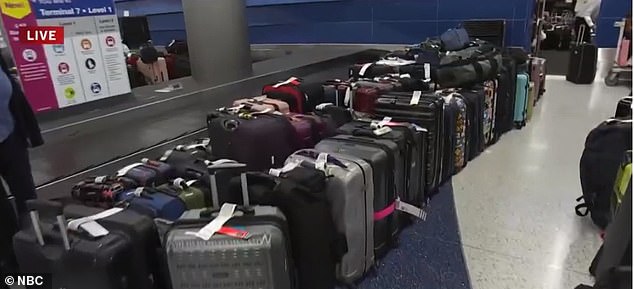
[
  {"x": 581, "y": 35},
  {"x": 35, "y": 207},
  {"x": 227, "y": 210}
]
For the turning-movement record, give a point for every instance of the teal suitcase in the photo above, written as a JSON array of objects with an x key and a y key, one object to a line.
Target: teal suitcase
[{"x": 521, "y": 100}]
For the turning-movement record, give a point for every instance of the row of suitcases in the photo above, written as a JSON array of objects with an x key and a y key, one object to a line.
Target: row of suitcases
[{"x": 288, "y": 191}]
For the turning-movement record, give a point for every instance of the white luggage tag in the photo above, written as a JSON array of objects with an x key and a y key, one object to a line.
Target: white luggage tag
[
  {"x": 411, "y": 209},
  {"x": 321, "y": 162},
  {"x": 90, "y": 225},
  {"x": 347, "y": 99},
  {"x": 100, "y": 180},
  {"x": 364, "y": 68},
  {"x": 323, "y": 105},
  {"x": 406, "y": 75},
  {"x": 285, "y": 82},
  {"x": 419, "y": 128},
  {"x": 122, "y": 172},
  {"x": 427, "y": 67},
  {"x": 381, "y": 131},
  {"x": 415, "y": 97},
  {"x": 166, "y": 155},
  {"x": 287, "y": 168},
  {"x": 206, "y": 232}
]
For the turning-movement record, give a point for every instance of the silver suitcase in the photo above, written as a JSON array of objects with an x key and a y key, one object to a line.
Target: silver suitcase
[
  {"x": 260, "y": 260},
  {"x": 350, "y": 191}
]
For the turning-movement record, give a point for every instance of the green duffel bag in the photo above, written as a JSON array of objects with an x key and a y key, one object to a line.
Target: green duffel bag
[
  {"x": 469, "y": 66},
  {"x": 193, "y": 196}
]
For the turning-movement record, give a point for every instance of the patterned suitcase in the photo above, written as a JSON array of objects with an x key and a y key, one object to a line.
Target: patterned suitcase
[
  {"x": 383, "y": 156},
  {"x": 350, "y": 209},
  {"x": 263, "y": 260},
  {"x": 459, "y": 137},
  {"x": 490, "y": 94}
]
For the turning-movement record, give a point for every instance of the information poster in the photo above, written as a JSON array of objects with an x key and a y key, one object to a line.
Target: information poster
[{"x": 90, "y": 65}]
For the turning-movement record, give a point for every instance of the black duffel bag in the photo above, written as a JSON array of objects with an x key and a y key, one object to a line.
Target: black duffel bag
[{"x": 469, "y": 66}]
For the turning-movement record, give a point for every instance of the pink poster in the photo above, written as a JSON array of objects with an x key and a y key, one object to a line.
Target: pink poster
[{"x": 30, "y": 59}]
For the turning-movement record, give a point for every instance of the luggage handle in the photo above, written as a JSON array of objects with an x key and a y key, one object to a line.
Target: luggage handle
[
  {"x": 581, "y": 34},
  {"x": 35, "y": 207},
  {"x": 224, "y": 164}
]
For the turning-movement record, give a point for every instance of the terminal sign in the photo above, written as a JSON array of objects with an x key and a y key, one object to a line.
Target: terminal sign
[{"x": 42, "y": 35}]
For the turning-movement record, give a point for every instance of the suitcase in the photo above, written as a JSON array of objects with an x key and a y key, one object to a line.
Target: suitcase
[
  {"x": 301, "y": 97},
  {"x": 153, "y": 202},
  {"x": 350, "y": 190},
  {"x": 262, "y": 103},
  {"x": 261, "y": 141},
  {"x": 263, "y": 260},
  {"x": 76, "y": 260},
  {"x": 538, "y": 75},
  {"x": 305, "y": 133},
  {"x": 624, "y": 52},
  {"x": 300, "y": 193},
  {"x": 142, "y": 233},
  {"x": 192, "y": 196},
  {"x": 99, "y": 191},
  {"x": 427, "y": 113},
  {"x": 187, "y": 164},
  {"x": 582, "y": 67},
  {"x": 335, "y": 92},
  {"x": 154, "y": 73},
  {"x": 370, "y": 70},
  {"x": 531, "y": 101},
  {"x": 506, "y": 98},
  {"x": 490, "y": 100},
  {"x": 475, "y": 115},
  {"x": 147, "y": 173},
  {"x": 411, "y": 143},
  {"x": 521, "y": 100},
  {"x": 457, "y": 126},
  {"x": 624, "y": 108},
  {"x": 337, "y": 114},
  {"x": 386, "y": 162}
]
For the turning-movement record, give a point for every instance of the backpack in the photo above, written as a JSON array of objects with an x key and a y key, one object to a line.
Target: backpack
[
  {"x": 454, "y": 39},
  {"x": 598, "y": 167}
]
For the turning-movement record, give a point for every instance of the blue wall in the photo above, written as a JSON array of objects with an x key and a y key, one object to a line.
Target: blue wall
[{"x": 364, "y": 21}]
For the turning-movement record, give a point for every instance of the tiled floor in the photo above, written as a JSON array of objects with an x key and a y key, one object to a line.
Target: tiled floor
[{"x": 515, "y": 203}]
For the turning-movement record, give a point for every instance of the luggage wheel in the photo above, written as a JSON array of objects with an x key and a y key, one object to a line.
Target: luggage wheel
[{"x": 612, "y": 79}]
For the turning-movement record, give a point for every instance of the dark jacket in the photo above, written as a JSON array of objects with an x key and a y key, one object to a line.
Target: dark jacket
[{"x": 26, "y": 125}]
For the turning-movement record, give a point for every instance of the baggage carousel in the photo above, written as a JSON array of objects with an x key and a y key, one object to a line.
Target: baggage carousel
[{"x": 99, "y": 138}]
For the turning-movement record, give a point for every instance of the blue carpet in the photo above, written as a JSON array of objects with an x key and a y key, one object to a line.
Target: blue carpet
[{"x": 429, "y": 254}]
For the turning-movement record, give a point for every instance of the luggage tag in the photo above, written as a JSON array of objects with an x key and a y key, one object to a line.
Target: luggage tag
[
  {"x": 381, "y": 131},
  {"x": 293, "y": 80},
  {"x": 321, "y": 162},
  {"x": 411, "y": 209},
  {"x": 166, "y": 155},
  {"x": 364, "y": 68},
  {"x": 206, "y": 232},
  {"x": 415, "y": 97},
  {"x": 347, "y": 99},
  {"x": 122, "y": 172},
  {"x": 100, "y": 180},
  {"x": 235, "y": 233},
  {"x": 406, "y": 75},
  {"x": 427, "y": 67},
  {"x": 287, "y": 168},
  {"x": 323, "y": 105},
  {"x": 89, "y": 224}
]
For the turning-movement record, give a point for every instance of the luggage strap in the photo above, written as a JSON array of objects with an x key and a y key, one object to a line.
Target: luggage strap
[
  {"x": 384, "y": 213},
  {"x": 90, "y": 225}
]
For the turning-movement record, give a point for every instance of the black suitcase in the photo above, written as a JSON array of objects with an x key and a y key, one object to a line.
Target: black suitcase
[
  {"x": 412, "y": 144},
  {"x": 387, "y": 162},
  {"x": 506, "y": 98},
  {"x": 582, "y": 67},
  {"x": 426, "y": 113},
  {"x": 475, "y": 114},
  {"x": 76, "y": 260}
]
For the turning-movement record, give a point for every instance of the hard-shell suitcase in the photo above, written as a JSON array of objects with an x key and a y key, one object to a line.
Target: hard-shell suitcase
[
  {"x": 350, "y": 190},
  {"x": 263, "y": 260},
  {"x": 385, "y": 159},
  {"x": 301, "y": 97},
  {"x": 582, "y": 67},
  {"x": 261, "y": 103},
  {"x": 299, "y": 192},
  {"x": 153, "y": 202},
  {"x": 475, "y": 114},
  {"x": 521, "y": 100},
  {"x": 490, "y": 100},
  {"x": 506, "y": 98},
  {"x": 426, "y": 112},
  {"x": 459, "y": 137},
  {"x": 76, "y": 260},
  {"x": 141, "y": 232},
  {"x": 411, "y": 143},
  {"x": 261, "y": 141},
  {"x": 530, "y": 105},
  {"x": 538, "y": 75}
]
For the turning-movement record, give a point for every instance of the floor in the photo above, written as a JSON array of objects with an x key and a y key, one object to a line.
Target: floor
[{"x": 515, "y": 203}]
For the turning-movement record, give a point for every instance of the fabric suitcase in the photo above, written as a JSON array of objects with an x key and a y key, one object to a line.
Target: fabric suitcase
[
  {"x": 530, "y": 105},
  {"x": 142, "y": 233},
  {"x": 490, "y": 100},
  {"x": 505, "y": 98},
  {"x": 99, "y": 191},
  {"x": 338, "y": 115},
  {"x": 521, "y": 100},
  {"x": 299, "y": 192},
  {"x": 301, "y": 97},
  {"x": 475, "y": 114},
  {"x": 261, "y": 141},
  {"x": 193, "y": 197},
  {"x": 263, "y": 260},
  {"x": 76, "y": 260},
  {"x": 187, "y": 164},
  {"x": 411, "y": 143},
  {"x": 350, "y": 190},
  {"x": 582, "y": 66},
  {"x": 384, "y": 158},
  {"x": 370, "y": 70},
  {"x": 147, "y": 173},
  {"x": 153, "y": 202},
  {"x": 261, "y": 103},
  {"x": 426, "y": 113},
  {"x": 624, "y": 108}
]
